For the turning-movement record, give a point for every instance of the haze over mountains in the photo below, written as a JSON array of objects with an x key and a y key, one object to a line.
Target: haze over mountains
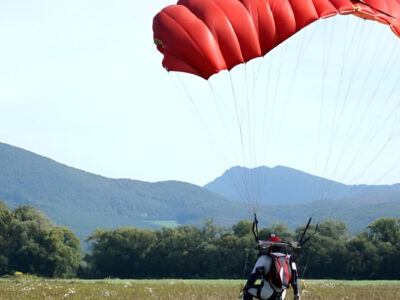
[
  {"x": 85, "y": 201},
  {"x": 284, "y": 185}
]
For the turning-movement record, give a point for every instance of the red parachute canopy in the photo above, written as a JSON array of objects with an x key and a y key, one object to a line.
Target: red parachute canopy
[{"x": 203, "y": 37}]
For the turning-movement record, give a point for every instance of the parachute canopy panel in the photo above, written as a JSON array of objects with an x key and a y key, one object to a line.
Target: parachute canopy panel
[{"x": 204, "y": 37}]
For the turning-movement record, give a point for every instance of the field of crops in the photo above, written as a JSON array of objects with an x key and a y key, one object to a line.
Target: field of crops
[{"x": 26, "y": 287}]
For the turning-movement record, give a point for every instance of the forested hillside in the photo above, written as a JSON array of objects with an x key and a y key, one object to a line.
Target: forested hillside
[{"x": 83, "y": 201}]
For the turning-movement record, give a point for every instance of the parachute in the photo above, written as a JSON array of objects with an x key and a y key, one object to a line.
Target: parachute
[
  {"x": 212, "y": 39},
  {"x": 203, "y": 37}
]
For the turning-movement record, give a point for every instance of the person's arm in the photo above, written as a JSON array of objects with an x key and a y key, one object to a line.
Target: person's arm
[{"x": 257, "y": 272}]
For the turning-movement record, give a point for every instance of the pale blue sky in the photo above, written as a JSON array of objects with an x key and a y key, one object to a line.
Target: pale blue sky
[{"x": 81, "y": 82}]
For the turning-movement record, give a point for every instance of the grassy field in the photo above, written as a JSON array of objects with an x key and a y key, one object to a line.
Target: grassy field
[{"x": 26, "y": 287}]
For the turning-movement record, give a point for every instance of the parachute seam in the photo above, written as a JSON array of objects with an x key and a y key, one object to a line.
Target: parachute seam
[
  {"x": 233, "y": 29},
  {"x": 277, "y": 35},
  {"x": 293, "y": 15},
  {"x": 333, "y": 4},
  {"x": 195, "y": 43},
  {"x": 257, "y": 28},
  {"x": 315, "y": 10}
]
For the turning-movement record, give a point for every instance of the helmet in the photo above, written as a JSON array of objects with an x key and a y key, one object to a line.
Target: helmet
[{"x": 274, "y": 238}]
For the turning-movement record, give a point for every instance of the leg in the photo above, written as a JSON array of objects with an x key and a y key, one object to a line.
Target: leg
[
  {"x": 253, "y": 292},
  {"x": 247, "y": 296}
]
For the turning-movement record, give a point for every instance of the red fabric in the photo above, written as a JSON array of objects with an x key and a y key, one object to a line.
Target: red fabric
[
  {"x": 203, "y": 37},
  {"x": 275, "y": 239},
  {"x": 280, "y": 274}
]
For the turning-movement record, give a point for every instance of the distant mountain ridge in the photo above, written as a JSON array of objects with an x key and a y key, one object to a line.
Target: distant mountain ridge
[
  {"x": 84, "y": 201},
  {"x": 284, "y": 185}
]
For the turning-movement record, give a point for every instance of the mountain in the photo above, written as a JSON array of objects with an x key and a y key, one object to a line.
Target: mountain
[
  {"x": 284, "y": 185},
  {"x": 84, "y": 201}
]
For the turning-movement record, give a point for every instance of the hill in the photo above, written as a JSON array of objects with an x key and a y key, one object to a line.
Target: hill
[
  {"x": 284, "y": 185},
  {"x": 84, "y": 201}
]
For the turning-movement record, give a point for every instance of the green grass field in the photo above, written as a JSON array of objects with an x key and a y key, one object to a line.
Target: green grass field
[{"x": 26, "y": 287}]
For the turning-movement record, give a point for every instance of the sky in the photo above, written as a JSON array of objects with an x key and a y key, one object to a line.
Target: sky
[{"x": 81, "y": 82}]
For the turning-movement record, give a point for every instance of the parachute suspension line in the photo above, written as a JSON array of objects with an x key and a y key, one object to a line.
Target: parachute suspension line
[
  {"x": 269, "y": 108},
  {"x": 247, "y": 158},
  {"x": 250, "y": 146},
  {"x": 393, "y": 135},
  {"x": 252, "y": 128},
  {"x": 231, "y": 175},
  {"x": 335, "y": 122},
  {"x": 217, "y": 103},
  {"x": 256, "y": 162},
  {"x": 355, "y": 126},
  {"x": 251, "y": 115},
  {"x": 239, "y": 123},
  {"x": 288, "y": 98},
  {"x": 339, "y": 112},
  {"x": 369, "y": 102},
  {"x": 269, "y": 112},
  {"x": 350, "y": 134},
  {"x": 213, "y": 143},
  {"x": 200, "y": 119},
  {"x": 382, "y": 149},
  {"x": 252, "y": 138},
  {"x": 337, "y": 97},
  {"x": 236, "y": 182},
  {"x": 264, "y": 110},
  {"x": 369, "y": 137},
  {"x": 270, "y": 117},
  {"x": 369, "y": 72},
  {"x": 354, "y": 40},
  {"x": 278, "y": 94},
  {"x": 325, "y": 56},
  {"x": 386, "y": 146},
  {"x": 319, "y": 125},
  {"x": 320, "y": 190}
]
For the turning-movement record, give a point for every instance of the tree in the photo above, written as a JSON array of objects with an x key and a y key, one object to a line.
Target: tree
[
  {"x": 242, "y": 228},
  {"x": 362, "y": 258},
  {"x": 385, "y": 230},
  {"x": 177, "y": 252},
  {"x": 279, "y": 229},
  {"x": 5, "y": 237},
  {"x": 324, "y": 256},
  {"x": 121, "y": 252},
  {"x": 40, "y": 247},
  {"x": 384, "y": 235}
]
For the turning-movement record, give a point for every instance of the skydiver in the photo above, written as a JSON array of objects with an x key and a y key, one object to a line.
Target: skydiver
[{"x": 263, "y": 269}]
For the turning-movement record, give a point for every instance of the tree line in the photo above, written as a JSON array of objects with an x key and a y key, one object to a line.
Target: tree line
[{"x": 30, "y": 243}]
